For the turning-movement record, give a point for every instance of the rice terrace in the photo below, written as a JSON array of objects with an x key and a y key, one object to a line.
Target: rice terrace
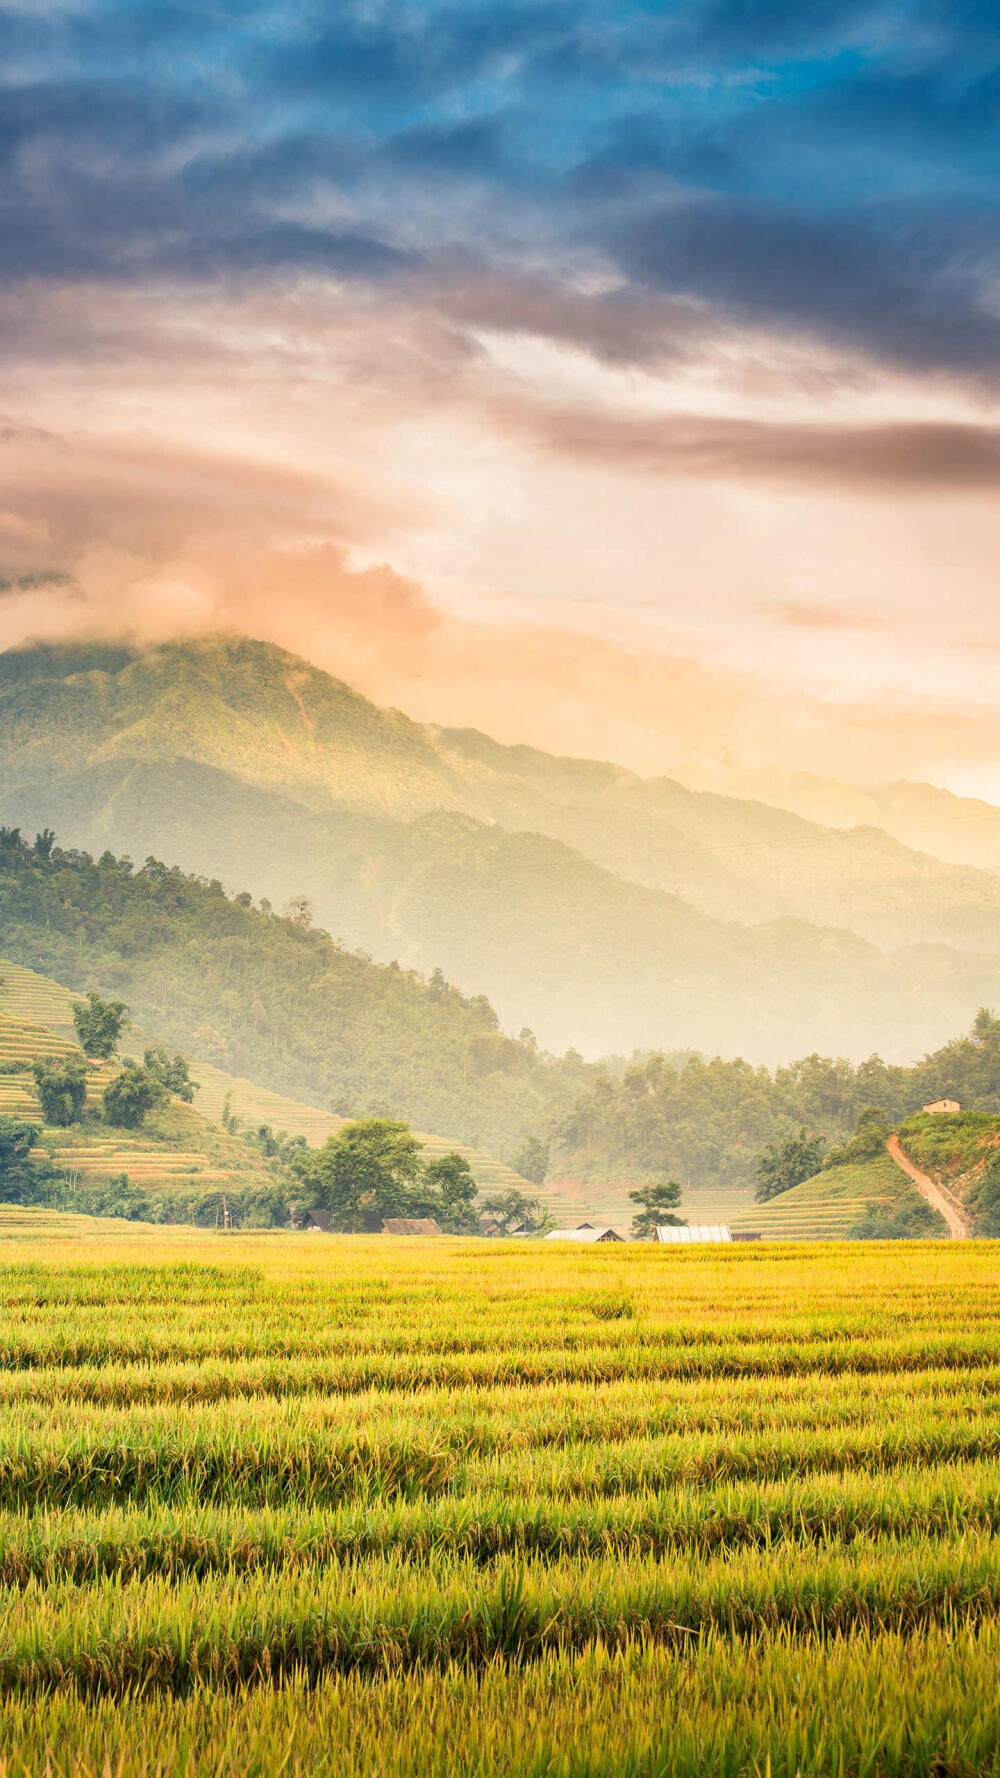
[{"x": 292, "y": 1507}]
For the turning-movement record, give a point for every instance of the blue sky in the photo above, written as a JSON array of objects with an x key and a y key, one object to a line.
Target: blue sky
[{"x": 832, "y": 167}]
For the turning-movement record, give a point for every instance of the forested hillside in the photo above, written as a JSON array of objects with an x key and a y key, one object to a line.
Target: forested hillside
[
  {"x": 705, "y": 1122},
  {"x": 274, "y": 999},
  {"x": 605, "y": 911}
]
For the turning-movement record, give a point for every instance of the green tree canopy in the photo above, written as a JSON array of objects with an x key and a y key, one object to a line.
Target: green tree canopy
[
  {"x": 17, "y": 1171},
  {"x": 532, "y": 1160},
  {"x": 369, "y": 1170},
  {"x": 784, "y": 1164},
  {"x": 452, "y": 1192},
  {"x": 99, "y": 1024},
  {"x": 130, "y": 1095},
  {"x": 172, "y": 1072},
  {"x": 514, "y": 1209},
  {"x": 658, "y": 1202},
  {"x": 61, "y": 1086}
]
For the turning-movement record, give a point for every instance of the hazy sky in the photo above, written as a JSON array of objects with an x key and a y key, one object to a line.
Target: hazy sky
[{"x": 622, "y": 377}]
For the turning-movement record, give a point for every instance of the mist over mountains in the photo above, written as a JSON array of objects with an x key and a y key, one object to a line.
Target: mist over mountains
[{"x": 602, "y": 910}]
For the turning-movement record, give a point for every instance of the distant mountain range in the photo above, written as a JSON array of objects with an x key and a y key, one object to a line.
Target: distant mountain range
[
  {"x": 959, "y": 829},
  {"x": 603, "y": 910}
]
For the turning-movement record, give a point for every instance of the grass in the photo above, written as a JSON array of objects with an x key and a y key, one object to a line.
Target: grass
[
  {"x": 331, "y": 1505},
  {"x": 950, "y": 1145},
  {"x": 832, "y": 1203}
]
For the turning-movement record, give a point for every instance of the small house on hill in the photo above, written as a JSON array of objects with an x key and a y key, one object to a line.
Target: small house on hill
[
  {"x": 937, "y": 1107},
  {"x": 685, "y": 1235},
  {"x": 317, "y": 1222},
  {"x": 584, "y": 1233},
  {"x": 411, "y": 1225}
]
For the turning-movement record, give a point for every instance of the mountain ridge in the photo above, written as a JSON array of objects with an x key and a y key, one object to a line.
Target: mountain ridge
[{"x": 604, "y": 910}]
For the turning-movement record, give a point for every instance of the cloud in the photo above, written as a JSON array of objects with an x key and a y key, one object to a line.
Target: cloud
[{"x": 865, "y": 458}]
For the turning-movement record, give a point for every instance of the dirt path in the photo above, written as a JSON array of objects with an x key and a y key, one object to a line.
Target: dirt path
[{"x": 959, "y": 1227}]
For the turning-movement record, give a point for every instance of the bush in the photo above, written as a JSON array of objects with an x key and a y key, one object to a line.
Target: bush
[
  {"x": 61, "y": 1089},
  {"x": 130, "y": 1095}
]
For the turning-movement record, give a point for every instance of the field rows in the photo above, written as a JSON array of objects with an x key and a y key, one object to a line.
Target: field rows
[{"x": 394, "y": 1507}]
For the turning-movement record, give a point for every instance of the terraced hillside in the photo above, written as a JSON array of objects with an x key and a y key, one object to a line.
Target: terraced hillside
[
  {"x": 181, "y": 1147},
  {"x": 830, "y": 1205}
]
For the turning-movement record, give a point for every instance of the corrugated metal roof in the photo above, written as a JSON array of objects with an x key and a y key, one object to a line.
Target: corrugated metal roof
[
  {"x": 586, "y": 1233},
  {"x": 695, "y": 1231}
]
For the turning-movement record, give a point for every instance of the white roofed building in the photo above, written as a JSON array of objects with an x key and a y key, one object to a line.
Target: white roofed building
[
  {"x": 695, "y": 1232},
  {"x": 584, "y": 1233}
]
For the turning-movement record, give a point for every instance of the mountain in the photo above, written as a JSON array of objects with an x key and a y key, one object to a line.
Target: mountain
[
  {"x": 274, "y": 1002},
  {"x": 959, "y": 829},
  {"x": 603, "y": 910}
]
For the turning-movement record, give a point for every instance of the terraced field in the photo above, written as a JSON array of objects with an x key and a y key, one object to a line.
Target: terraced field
[
  {"x": 274, "y": 1503},
  {"x": 36, "y": 1019},
  {"x": 829, "y": 1206}
]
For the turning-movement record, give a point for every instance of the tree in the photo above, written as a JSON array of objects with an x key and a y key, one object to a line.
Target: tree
[
  {"x": 658, "y": 1202},
  {"x": 452, "y": 1189},
  {"x": 172, "y": 1072},
  {"x": 62, "y": 1090},
  {"x": 130, "y": 1095},
  {"x": 532, "y": 1160},
  {"x": 369, "y": 1170},
  {"x": 17, "y": 1171},
  {"x": 986, "y": 1025},
  {"x": 44, "y": 843},
  {"x": 784, "y": 1164},
  {"x": 513, "y": 1209},
  {"x": 99, "y": 1024}
]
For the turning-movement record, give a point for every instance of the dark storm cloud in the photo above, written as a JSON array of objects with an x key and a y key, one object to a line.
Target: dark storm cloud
[{"x": 905, "y": 281}]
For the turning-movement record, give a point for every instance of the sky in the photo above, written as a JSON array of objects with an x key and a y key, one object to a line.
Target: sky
[{"x": 619, "y": 377}]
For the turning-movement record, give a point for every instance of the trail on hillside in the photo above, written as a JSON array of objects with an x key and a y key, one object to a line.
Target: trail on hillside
[{"x": 959, "y": 1227}]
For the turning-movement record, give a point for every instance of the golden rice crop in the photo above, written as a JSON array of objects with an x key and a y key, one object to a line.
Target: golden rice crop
[{"x": 307, "y": 1504}]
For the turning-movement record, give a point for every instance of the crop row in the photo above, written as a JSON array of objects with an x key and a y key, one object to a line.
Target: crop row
[
  {"x": 115, "y": 1636},
  {"x": 901, "y": 1706},
  {"x": 903, "y": 1507},
  {"x": 217, "y": 1458}
]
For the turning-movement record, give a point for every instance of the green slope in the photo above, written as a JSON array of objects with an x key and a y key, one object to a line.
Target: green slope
[
  {"x": 241, "y": 762},
  {"x": 180, "y": 1147},
  {"x": 830, "y": 1206}
]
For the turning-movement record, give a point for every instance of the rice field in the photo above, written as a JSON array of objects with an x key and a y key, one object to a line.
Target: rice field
[{"x": 307, "y": 1504}]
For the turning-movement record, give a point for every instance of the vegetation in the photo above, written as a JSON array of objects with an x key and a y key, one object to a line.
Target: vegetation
[
  {"x": 61, "y": 1085},
  {"x": 708, "y": 1122},
  {"x": 657, "y": 1205},
  {"x": 172, "y": 1072},
  {"x": 373, "y": 1169},
  {"x": 276, "y": 1000},
  {"x": 272, "y": 1497},
  {"x": 514, "y": 1212},
  {"x": 908, "y": 1221},
  {"x": 99, "y": 1023},
  {"x": 130, "y": 1095},
  {"x": 788, "y": 1163},
  {"x": 17, "y": 1139}
]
